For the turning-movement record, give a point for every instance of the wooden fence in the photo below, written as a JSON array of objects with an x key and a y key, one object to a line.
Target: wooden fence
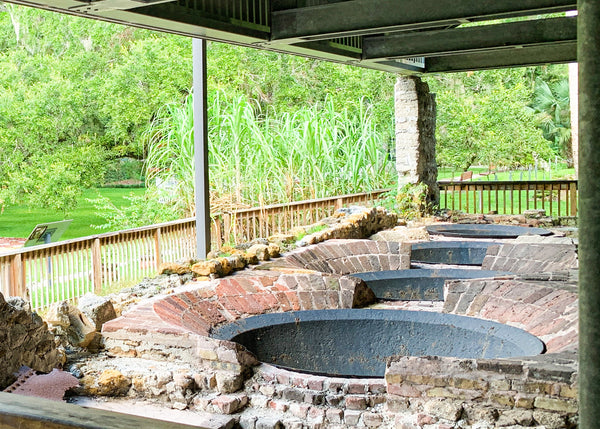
[
  {"x": 557, "y": 197},
  {"x": 69, "y": 269},
  {"x": 247, "y": 224}
]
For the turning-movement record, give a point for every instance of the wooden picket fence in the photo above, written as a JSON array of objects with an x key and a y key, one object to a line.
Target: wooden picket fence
[
  {"x": 69, "y": 269},
  {"x": 557, "y": 197}
]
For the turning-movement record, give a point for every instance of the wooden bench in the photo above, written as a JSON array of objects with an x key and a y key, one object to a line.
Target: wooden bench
[{"x": 467, "y": 175}]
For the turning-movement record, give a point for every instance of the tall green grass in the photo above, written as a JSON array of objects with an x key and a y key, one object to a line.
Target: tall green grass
[{"x": 264, "y": 157}]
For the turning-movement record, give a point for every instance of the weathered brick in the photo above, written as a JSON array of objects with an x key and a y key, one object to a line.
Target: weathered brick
[
  {"x": 248, "y": 422},
  {"x": 357, "y": 387},
  {"x": 268, "y": 423},
  {"x": 406, "y": 390},
  {"x": 365, "y": 263},
  {"x": 500, "y": 384},
  {"x": 278, "y": 406},
  {"x": 334, "y": 415},
  {"x": 551, "y": 373},
  {"x": 292, "y": 394},
  {"x": 568, "y": 392},
  {"x": 502, "y": 367},
  {"x": 267, "y": 389},
  {"x": 229, "y": 404},
  {"x": 524, "y": 401},
  {"x": 441, "y": 392},
  {"x": 335, "y": 385},
  {"x": 396, "y": 403},
  {"x": 315, "y": 413},
  {"x": 465, "y": 383},
  {"x": 206, "y": 354},
  {"x": 374, "y": 262},
  {"x": 425, "y": 419},
  {"x": 334, "y": 400},
  {"x": 372, "y": 420},
  {"x": 305, "y": 300},
  {"x": 299, "y": 410},
  {"x": 550, "y": 420},
  {"x": 506, "y": 399},
  {"x": 532, "y": 387},
  {"x": 352, "y": 417},
  {"x": 332, "y": 299},
  {"x": 315, "y": 383},
  {"x": 377, "y": 387},
  {"x": 515, "y": 417},
  {"x": 314, "y": 398},
  {"x": 346, "y": 299},
  {"x": 356, "y": 402},
  {"x": 299, "y": 381},
  {"x": 259, "y": 401},
  {"x": 554, "y": 404},
  {"x": 427, "y": 380},
  {"x": 444, "y": 409},
  {"x": 283, "y": 378},
  {"x": 374, "y": 400},
  {"x": 294, "y": 300}
]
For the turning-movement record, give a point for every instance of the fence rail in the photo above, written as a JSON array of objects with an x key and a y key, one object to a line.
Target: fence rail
[
  {"x": 244, "y": 225},
  {"x": 557, "y": 197},
  {"x": 69, "y": 269}
]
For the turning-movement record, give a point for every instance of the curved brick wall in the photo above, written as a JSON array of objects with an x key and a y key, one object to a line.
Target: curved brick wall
[
  {"x": 177, "y": 326},
  {"x": 524, "y": 257},
  {"x": 233, "y": 298},
  {"x": 352, "y": 256},
  {"x": 546, "y": 309}
]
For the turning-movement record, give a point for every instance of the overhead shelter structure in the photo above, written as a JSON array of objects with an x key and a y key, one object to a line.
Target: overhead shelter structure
[
  {"x": 417, "y": 37},
  {"x": 403, "y": 36}
]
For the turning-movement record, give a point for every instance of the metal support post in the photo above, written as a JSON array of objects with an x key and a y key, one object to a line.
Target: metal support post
[
  {"x": 202, "y": 194},
  {"x": 588, "y": 56}
]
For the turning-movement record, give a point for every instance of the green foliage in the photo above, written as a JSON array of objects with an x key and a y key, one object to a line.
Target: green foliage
[
  {"x": 140, "y": 210},
  {"x": 124, "y": 170},
  {"x": 55, "y": 182},
  {"x": 261, "y": 157},
  {"x": 482, "y": 118},
  {"x": 281, "y": 127},
  {"x": 551, "y": 106},
  {"x": 410, "y": 201}
]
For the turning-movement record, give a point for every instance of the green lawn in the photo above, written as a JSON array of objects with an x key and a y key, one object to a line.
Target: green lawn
[
  {"x": 19, "y": 221},
  {"x": 562, "y": 172}
]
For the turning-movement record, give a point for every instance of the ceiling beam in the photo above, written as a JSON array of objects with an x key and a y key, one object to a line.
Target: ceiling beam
[
  {"x": 363, "y": 17},
  {"x": 527, "y": 56},
  {"x": 471, "y": 39}
]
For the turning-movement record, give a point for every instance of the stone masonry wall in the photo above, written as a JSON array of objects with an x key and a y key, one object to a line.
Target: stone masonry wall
[
  {"x": 535, "y": 391},
  {"x": 24, "y": 340},
  {"x": 415, "y": 135}
]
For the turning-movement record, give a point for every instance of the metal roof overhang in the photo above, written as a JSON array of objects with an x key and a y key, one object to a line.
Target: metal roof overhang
[{"x": 403, "y": 36}]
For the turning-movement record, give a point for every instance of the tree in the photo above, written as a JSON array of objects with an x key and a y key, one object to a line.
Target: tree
[
  {"x": 551, "y": 106},
  {"x": 482, "y": 118}
]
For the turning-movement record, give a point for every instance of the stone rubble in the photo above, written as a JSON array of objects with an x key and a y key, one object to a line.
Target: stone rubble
[{"x": 25, "y": 340}]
